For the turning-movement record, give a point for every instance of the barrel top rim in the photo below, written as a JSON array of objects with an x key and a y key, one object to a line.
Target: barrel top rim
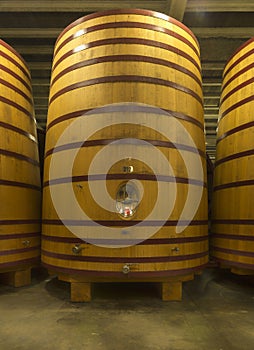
[
  {"x": 144, "y": 12},
  {"x": 9, "y": 47},
  {"x": 241, "y": 47}
]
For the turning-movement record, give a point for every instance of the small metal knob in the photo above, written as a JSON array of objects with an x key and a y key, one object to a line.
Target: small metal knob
[
  {"x": 175, "y": 249},
  {"x": 26, "y": 243},
  {"x": 126, "y": 269},
  {"x": 76, "y": 249}
]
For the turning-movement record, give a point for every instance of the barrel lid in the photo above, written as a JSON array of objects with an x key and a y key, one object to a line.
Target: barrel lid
[
  {"x": 143, "y": 12},
  {"x": 10, "y": 48}
]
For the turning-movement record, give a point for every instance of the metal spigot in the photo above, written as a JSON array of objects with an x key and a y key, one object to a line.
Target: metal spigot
[
  {"x": 26, "y": 243},
  {"x": 76, "y": 249},
  {"x": 175, "y": 249},
  {"x": 127, "y": 268}
]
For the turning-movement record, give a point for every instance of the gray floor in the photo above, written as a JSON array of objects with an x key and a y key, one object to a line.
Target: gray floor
[{"x": 217, "y": 313}]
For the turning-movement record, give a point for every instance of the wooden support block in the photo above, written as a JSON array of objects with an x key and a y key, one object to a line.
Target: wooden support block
[
  {"x": 17, "y": 278},
  {"x": 198, "y": 273},
  {"x": 224, "y": 266},
  {"x": 80, "y": 291},
  {"x": 171, "y": 291},
  {"x": 242, "y": 272},
  {"x": 212, "y": 263}
]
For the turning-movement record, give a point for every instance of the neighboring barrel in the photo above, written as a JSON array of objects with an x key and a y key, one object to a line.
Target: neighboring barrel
[
  {"x": 107, "y": 60},
  {"x": 20, "y": 193},
  {"x": 233, "y": 196}
]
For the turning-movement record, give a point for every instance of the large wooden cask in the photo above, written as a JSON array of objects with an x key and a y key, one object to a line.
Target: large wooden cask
[
  {"x": 233, "y": 196},
  {"x": 20, "y": 193},
  {"x": 125, "y": 194}
]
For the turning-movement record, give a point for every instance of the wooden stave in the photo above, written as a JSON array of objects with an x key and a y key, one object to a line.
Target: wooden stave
[
  {"x": 245, "y": 50},
  {"x": 53, "y": 78},
  {"x": 116, "y": 14}
]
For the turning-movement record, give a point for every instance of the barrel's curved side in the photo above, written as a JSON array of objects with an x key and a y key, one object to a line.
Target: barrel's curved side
[
  {"x": 20, "y": 191},
  {"x": 128, "y": 60},
  {"x": 233, "y": 235}
]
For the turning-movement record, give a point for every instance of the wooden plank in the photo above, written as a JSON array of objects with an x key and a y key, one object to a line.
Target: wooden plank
[
  {"x": 242, "y": 272},
  {"x": 29, "y": 32},
  {"x": 220, "y": 6},
  {"x": 17, "y": 278},
  {"x": 232, "y": 32},
  {"x": 176, "y": 8},
  {"x": 80, "y": 291},
  {"x": 170, "y": 288},
  {"x": 76, "y": 5},
  {"x": 171, "y": 291}
]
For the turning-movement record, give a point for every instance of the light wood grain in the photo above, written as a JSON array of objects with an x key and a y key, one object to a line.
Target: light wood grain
[
  {"x": 233, "y": 242},
  {"x": 20, "y": 194},
  {"x": 68, "y": 96}
]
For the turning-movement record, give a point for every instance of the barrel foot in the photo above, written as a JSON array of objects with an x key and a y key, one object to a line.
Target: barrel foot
[
  {"x": 80, "y": 292},
  {"x": 171, "y": 291},
  {"x": 18, "y": 278},
  {"x": 170, "y": 288},
  {"x": 242, "y": 272}
]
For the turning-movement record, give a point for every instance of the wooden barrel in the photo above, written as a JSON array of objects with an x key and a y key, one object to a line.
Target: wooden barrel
[
  {"x": 20, "y": 173},
  {"x": 233, "y": 197},
  {"x": 114, "y": 62}
]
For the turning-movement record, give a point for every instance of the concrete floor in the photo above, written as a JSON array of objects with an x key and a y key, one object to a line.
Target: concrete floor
[{"x": 217, "y": 313}]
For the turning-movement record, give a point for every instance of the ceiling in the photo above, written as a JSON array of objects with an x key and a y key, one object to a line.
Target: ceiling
[{"x": 32, "y": 27}]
